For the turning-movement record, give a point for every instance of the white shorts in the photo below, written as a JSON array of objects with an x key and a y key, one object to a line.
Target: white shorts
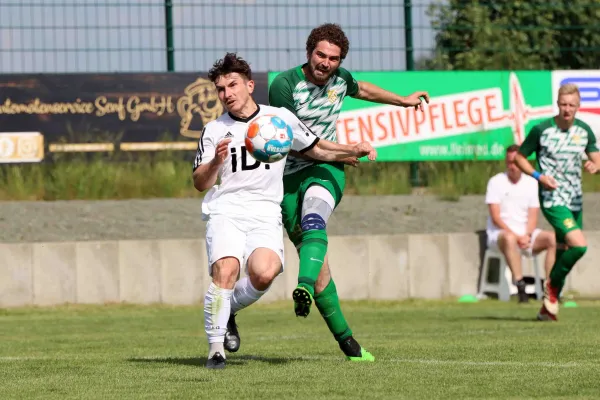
[
  {"x": 492, "y": 240},
  {"x": 239, "y": 236}
]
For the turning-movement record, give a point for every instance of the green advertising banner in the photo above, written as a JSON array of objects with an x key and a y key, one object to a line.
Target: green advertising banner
[{"x": 471, "y": 115}]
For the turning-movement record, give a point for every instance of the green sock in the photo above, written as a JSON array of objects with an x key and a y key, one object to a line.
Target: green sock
[
  {"x": 312, "y": 255},
  {"x": 565, "y": 260},
  {"x": 328, "y": 304}
]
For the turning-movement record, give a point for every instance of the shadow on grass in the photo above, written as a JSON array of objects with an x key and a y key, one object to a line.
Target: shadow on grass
[
  {"x": 503, "y": 318},
  {"x": 231, "y": 360}
]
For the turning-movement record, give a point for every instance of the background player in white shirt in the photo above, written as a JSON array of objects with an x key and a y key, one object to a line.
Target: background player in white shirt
[
  {"x": 243, "y": 211},
  {"x": 513, "y": 202}
]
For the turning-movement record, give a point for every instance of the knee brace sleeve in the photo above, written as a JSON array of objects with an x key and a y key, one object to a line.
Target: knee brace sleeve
[
  {"x": 316, "y": 208},
  {"x": 312, "y": 222}
]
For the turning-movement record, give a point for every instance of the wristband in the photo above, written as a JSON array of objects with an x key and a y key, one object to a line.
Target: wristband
[{"x": 536, "y": 175}]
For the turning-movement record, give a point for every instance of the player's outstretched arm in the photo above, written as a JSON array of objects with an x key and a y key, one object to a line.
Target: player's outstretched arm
[
  {"x": 205, "y": 176},
  {"x": 330, "y": 151},
  {"x": 524, "y": 165},
  {"x": 373, "y": 93}
]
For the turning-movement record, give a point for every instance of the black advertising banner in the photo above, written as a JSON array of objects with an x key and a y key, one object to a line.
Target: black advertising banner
[{"x": 48, "y": 113}]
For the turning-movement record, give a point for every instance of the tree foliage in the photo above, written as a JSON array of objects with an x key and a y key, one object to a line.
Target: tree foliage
[{"x": 515, "y": 34}]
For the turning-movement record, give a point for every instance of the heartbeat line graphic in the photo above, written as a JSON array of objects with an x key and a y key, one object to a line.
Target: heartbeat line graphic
[{"x": 519, "y": 112}]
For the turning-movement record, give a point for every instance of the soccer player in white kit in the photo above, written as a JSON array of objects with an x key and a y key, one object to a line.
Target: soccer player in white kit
[{"x": 243, "y": 211}]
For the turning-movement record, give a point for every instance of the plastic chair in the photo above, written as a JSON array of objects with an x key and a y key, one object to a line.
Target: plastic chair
[{"x": 504, "y": 287}]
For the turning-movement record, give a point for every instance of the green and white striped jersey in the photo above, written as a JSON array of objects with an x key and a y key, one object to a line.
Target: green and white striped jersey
[
  {"x": 560, "y": 154},
  {"x": 318, "y": 107}
]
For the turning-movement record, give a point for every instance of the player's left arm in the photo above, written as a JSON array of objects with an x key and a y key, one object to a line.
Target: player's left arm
[
  {"x": 331, "y": 151},
  {"x": 306, "y": 143},
  {"x": 592, "y": 165},
  {"x": 373, "y": 93}
]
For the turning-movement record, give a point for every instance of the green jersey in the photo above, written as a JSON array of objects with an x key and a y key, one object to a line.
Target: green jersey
[
  {"x": 559, "y": 154},
  {"x": 318, "y": 107}
]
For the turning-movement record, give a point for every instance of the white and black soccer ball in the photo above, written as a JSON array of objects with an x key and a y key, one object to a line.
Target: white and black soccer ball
[{"x": 268, "y": 138}]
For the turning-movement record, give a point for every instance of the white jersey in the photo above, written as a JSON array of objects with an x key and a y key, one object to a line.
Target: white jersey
[
  {"x": 515, "y": 200},
  {"x": 247, "y": 186}
]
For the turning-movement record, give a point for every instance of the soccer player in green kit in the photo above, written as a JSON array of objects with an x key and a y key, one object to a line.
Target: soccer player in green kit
[
  {"x": 559, "y": 144},
  {"x": 315, "y": 92}
]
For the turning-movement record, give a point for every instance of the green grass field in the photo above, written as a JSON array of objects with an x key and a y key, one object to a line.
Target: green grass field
[
  {"x": 424, "y": 350},
  {"x": 167, "y": 176}
]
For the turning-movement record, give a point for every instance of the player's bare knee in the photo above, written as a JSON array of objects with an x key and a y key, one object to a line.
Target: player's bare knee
[
  {"x": 551, "y": 241},
  {"x": 576, "y": 239},
  {"x": 225, "y": 272},
  {"x": 510, "y": 238},
  {"x": 264, "y": 266},
  {"x": 263, "y": 278}
]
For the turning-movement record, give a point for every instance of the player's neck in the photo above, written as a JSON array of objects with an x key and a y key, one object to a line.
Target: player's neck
[
  {"x": 247, "y": 111},
  {"x": 562, "y": 124},
  {"x": 513, "y": 178}
]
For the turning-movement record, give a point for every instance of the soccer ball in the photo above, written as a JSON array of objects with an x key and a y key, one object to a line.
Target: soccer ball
[{"x": 268, "y": 138}]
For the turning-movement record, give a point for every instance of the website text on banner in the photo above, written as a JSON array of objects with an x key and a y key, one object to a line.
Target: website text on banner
[{"x": 471, "y": 115}]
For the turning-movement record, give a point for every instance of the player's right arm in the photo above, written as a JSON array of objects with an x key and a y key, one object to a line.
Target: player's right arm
[
  {"x": 208, "y": 160},
  {"x": 527, "y": 148}
]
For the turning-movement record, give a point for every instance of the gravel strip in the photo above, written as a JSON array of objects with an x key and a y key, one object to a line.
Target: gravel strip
[{"x": 180, "y": 218}]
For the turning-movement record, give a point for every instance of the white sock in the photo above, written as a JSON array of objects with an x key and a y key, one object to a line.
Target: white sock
[
  {"x": 217, "y": 308},
  {"x": 244, "y": 294}
]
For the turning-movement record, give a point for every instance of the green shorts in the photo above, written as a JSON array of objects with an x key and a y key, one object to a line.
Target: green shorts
[
  {"x": 329, "y": 175},
  {"x": 563, "y": 220}
]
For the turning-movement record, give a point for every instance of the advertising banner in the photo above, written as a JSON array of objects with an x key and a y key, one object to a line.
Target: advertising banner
[
  {"x": 471, "y": 115},
  {"x": 108, "y": 112},
  {"x": 588, "y": 82}
]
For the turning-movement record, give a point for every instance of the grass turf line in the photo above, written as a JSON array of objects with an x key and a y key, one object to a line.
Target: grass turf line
[{"x": 424, "y": 349}]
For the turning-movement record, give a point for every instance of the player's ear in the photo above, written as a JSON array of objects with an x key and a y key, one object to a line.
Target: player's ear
[{"x": 250, "y": 86}]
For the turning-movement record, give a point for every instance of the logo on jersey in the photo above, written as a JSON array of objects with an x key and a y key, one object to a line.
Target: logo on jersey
[
  {"x": 576, "y": 139},
  {"x": 244, "y": 160},
  {"x": 200, "y": 99},
  {"x": 569, "y": 223},
  {"x": 228, "y": 135},
  {"x": 332, "y": 95}
]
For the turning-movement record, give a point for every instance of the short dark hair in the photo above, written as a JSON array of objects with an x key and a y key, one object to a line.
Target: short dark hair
[
  {"x": 332, "y": 33},
  {"x": 512, "y": 148},
  {"x": 228, "y": 64}
]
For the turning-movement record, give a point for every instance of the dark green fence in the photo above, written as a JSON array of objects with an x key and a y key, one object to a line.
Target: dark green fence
[
  {"x": 106, "y": 36},
  {"x": 163, "y": 35}
]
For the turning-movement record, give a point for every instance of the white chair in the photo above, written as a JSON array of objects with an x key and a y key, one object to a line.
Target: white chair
[{"x": 504, "y": 288}]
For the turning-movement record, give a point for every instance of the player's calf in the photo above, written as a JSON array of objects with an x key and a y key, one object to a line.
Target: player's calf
[
  {"x": 317, "y": 207},
  {"x": 263, "y": 266}
]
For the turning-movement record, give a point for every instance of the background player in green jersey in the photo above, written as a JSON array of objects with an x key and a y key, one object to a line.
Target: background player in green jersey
[
  {"x": 559, "y": 144},
  {"x": 315, "y": 92}
]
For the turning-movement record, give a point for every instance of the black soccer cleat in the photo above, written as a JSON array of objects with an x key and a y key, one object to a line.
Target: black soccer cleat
[
  {"x": 354, "y": 351},
  {"x": 232, "y": 336},
  {"x": 217, "y": 361},
  {"x": 302, "y": 301},
  {"x": 521, "y": 294}
]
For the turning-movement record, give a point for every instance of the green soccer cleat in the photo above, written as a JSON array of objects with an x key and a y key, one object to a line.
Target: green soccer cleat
[
  {"x": 364, "y": 356},
  {"x": 302, "y": 301},
  {"x": 354, "y": 351}
]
